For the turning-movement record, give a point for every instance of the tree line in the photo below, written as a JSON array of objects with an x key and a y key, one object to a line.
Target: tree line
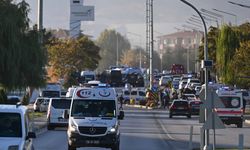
[{"x": 229, "y": 48}]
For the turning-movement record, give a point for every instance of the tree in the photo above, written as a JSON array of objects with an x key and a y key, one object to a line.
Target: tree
[
  {"x": 22, "y": 57},
  {"x": 241, "y": 63},
  {"x": 72, "y": 55},
  {"x": 108, "y": 42},
  {"x": 226, "y": 47},
  {"x": 212, "y": 46}
]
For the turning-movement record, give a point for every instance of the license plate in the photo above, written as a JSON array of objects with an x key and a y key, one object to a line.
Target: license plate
[{"x": 92, "y": 142}]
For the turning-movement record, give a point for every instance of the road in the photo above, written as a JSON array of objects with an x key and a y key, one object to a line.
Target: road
[{"x": 144, "y": 129}]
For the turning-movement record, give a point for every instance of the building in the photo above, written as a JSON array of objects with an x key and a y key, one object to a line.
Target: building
[{"x": 182, "y": 40}]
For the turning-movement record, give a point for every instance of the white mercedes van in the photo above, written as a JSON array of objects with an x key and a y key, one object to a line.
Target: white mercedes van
[{"x": 94, "y": 118}]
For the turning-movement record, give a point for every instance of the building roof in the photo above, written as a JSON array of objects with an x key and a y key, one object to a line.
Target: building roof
[{"x": 181, "y": 34}]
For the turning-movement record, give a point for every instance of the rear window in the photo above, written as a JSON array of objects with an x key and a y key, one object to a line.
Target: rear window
[
  {"x": 245, "y": 94},
  {"x": 134, "y": 93},
  {"x": 231, "y": 102},
  {"x": 10, "y": 125},
  {"x": 141, "y": 93},
  {"x": 126, "y": 93},
  {"x": 61, "y": 103},
  {"x": 51, "y": 94},
  {"x": 180, "y": 103}
]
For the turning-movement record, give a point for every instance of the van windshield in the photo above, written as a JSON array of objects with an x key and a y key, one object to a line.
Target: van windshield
[
  {"x": 93, "y": 108},
  {"x": 231, "y": 102},
  {"x": 10, "y": 125},
  {"x": 51, "y": 94},
  {"x": 61, "y": 103}
]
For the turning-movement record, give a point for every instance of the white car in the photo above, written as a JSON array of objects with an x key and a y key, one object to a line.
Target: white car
[
  {"x": 165, "y": 80},
  {"x": 14, "y": 128},
  {"x": 41, "y": 104}
]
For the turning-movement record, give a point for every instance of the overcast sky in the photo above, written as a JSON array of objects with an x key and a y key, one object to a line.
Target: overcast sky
[{"x": 129, "y": 15}]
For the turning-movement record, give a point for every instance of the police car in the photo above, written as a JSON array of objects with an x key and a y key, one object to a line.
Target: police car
[
  {"x": 14, "y": 128},
  {"x": 232, "y": 113},
  {"x": 94, "y": 118}
]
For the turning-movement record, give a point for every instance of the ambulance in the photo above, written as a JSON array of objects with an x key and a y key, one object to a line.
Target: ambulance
[
  {"x": 233, "y": 111},
  {"x": 94, "y": 118}
]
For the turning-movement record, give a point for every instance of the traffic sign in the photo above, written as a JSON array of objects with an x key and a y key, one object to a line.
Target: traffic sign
[
  {"x": 212, "y": 96},
  {"x": 213, "y": 122}
]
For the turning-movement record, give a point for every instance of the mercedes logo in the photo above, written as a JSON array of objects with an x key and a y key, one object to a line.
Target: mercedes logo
[{"x": 92, "y": 130}]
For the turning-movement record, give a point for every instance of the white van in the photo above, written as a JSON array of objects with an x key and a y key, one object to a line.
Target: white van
[
  {"x": 94, "y": 118},
  {"x": 15, "y": 128},
  {"x": 57, "y": 112},
  {"x": 233, "y": 111}
]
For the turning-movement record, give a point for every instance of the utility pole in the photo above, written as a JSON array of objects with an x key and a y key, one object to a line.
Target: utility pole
[
  {"x": 151, "y": 44},
  {"x": 40, "y": 20},
  {"x": 206, "y": 131},
  {"x": 147, "y": 36}
]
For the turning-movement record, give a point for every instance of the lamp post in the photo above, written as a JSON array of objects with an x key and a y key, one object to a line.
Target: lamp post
[
  {"x": 206, "y": 146},
  {"x": 213, "y": 14},
  {"x": 40, "y": 20},
  {"x": 231, "y": 14}
]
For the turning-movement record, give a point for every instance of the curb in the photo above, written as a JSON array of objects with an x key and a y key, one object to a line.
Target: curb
[{"x": 139, "y": 106}]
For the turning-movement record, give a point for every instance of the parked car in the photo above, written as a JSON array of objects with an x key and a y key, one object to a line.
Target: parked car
[
  {"x": 179, "y": 108},
  {"x": 195, "y": 106},
  {"x": 15, "y": 131},
  {"x": 57, "y": 112},
  {"x": 13, "y": 99},
  {"x": 41, "y": 104}
]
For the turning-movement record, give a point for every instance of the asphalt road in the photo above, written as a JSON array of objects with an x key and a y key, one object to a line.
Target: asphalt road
[{"x": 144, "y": 129}]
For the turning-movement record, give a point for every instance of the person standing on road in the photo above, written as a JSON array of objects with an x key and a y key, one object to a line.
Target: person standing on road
[{"x": 121, "y": 99}]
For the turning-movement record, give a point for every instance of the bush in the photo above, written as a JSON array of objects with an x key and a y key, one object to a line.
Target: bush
[{"x": 3, "y": 97}]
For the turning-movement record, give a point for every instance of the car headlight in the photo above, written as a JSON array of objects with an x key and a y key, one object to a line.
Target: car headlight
[
  {"x": 113, "y": 129},
  {"x": 13, "y": 147},
  {"x": 72, "y": 127}
]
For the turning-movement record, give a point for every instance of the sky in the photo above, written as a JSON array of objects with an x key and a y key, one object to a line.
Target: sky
[{"x": 129, "y": 16}]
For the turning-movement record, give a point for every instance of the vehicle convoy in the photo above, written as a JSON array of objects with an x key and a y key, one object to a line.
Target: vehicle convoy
[
  {"x": 94, "y": 118},
  {"x": 14, "y": 128},
  {"x": 233, "y": 111}
]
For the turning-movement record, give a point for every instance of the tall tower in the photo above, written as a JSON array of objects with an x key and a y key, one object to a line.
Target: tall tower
[
  {"x": 75, "y": 25},
  {"x": 78, "y": 13}
]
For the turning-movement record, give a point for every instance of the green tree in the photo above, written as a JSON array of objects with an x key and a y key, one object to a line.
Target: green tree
[
  {"x": 108, "y": 42},
  {"x": 241, "y": 63},
  {"x": 72, "y": 55},
  {"x": 22, "y": 58},
  {"x": 226, "y": 47},
  {"x": 212, "y": 45}
]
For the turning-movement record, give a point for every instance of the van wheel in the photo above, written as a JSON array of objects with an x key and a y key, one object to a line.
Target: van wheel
[
  {"x": 240, "y": 125},
  {"x": 170, "y": 115},
  {"x": 49, "y": 127},
  {"x": 116, "y": 146},
  {"x": 71, "y": 147}
]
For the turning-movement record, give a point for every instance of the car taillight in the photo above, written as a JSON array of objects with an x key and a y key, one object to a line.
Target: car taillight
[{"x": 173, "y": 107}]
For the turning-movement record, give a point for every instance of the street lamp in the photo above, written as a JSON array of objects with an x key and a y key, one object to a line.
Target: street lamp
[
  {"x": 227, "y": 14},
  {"x": 241, "y": 5},
  {"x": 117, "y": 50},
  {"x": 213, "y": 14},
  {"x": 206, "y": 146}
]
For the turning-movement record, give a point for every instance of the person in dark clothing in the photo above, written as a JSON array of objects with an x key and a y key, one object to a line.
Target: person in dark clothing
[{"x": 121, "y": 99}]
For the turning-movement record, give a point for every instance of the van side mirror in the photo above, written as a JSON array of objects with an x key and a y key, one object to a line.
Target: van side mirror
[
  {"x": 65, "y": 114},
  {"x": 31, "y": 135},
  {"x": 121, "y": 115}
]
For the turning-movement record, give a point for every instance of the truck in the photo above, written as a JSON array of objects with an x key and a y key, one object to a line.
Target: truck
[
  {"x": 94, "y": 118},
  {"x": 232, "y": 112}
]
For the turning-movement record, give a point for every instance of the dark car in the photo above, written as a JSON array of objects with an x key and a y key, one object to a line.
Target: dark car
[
  {"x": 179, "y": 108},
  {"x": 195, "y": 106}
]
